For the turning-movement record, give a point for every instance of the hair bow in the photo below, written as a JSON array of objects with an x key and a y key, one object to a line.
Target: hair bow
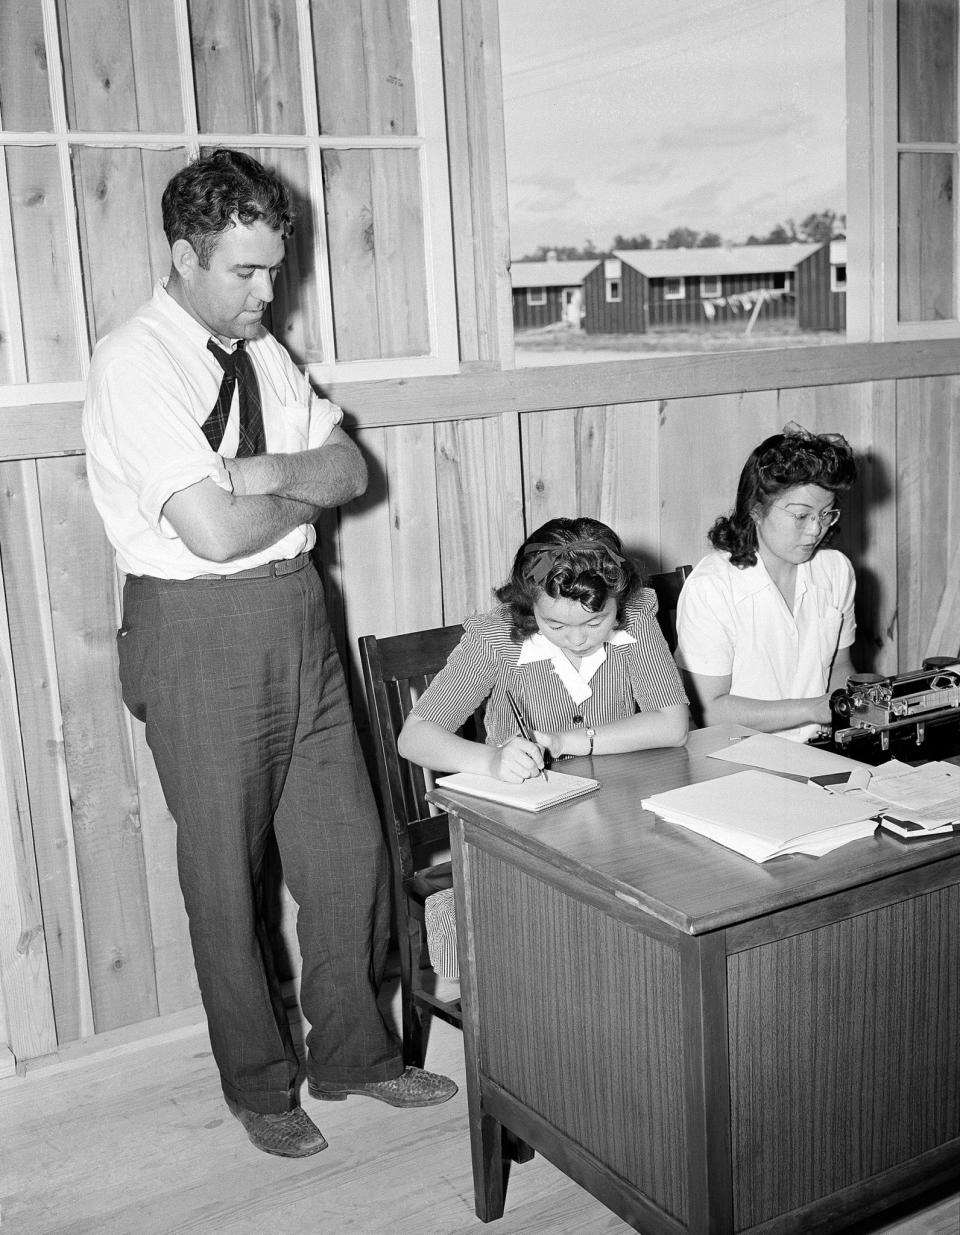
[{"x": 547, "y": 557}]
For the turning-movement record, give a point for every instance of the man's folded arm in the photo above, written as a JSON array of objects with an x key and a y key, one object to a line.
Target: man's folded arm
[
  {"x": 273, "y": 494},
  {"x": 220, "y": 526},
  {"x": 327, "y": 476}
]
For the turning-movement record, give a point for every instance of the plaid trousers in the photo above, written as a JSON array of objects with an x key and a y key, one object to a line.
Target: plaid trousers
[{"x": 243, "y": 695}]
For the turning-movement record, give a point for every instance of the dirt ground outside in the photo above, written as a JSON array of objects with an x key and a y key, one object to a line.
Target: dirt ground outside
[{"x": 560, "y": 344}]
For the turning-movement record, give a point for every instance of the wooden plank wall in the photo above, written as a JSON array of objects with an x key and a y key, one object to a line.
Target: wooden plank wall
[{"x": 87, "y": 844}]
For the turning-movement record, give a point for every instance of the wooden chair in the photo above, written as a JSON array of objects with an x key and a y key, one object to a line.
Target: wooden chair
[
  {"x": 396, "y": 670},
  {"x": 667, "y": 587}
]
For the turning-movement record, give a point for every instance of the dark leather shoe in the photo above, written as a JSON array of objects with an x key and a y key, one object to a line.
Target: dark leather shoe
[
  {"x": 291, "y": 1134},
  {"x": 413, "y": 1087}
]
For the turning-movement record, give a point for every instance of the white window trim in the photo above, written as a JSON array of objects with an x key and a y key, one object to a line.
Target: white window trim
[
  {"x": 430, "y": 142},
  {"x": 680, "y": 294},
  {"x": 835, "y": 284},
  {"x": 872, "y": 184},
  {"x": 536, "y": 296},
  {"x": 708, "y": 292},
  {"x": 608, "y": 287}
]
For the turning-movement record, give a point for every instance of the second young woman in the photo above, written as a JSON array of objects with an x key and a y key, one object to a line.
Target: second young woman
[{"x": 765, "y": 622}]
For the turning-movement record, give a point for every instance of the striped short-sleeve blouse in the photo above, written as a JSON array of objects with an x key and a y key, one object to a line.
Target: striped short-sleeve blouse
[{"x": 637, "y": 675}]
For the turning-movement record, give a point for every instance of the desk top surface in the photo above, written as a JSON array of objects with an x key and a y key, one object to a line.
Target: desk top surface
[{"x": 677, "y": 876}]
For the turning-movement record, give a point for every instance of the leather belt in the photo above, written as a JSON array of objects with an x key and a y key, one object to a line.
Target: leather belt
[{"x": 268, "y": 570}]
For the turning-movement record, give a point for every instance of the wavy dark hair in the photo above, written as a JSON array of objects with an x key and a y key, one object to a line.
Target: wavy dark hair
[
  {"x": 782, "y": 462},
  {"x": 212, "y": 194},
  {"x": 576, "y": 559}
]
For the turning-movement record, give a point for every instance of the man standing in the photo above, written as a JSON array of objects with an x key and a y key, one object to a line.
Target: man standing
[{"x": 209, "y": 459}]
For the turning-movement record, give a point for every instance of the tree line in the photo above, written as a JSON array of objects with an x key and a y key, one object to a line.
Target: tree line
[{"x": 816, "y": 228}]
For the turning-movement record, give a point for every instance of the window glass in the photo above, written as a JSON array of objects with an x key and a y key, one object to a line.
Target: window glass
[
  {"x": 927, "y": 256},
  {"x": 613, "y": 150},
  {"x": 927, "y": 70},
  {"x": 120, "y": 69},
  {"x": 246, "y": 64},
  {"x": 380, "y": 98},
  {"x": 25, "y": 94}
]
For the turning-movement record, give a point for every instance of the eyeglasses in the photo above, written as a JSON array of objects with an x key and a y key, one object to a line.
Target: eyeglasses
[{"x": 822, "y": 519}]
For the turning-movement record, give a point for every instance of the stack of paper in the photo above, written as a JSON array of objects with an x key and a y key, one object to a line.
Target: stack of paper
[{"x": 763, "y": 816}]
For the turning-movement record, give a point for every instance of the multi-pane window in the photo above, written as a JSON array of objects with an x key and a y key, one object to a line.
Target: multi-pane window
[
  {"x": 536, "y": 295},
  {"x": 709, "y": 286},
  {"x": 902, "y": 248},
  {"x": 673, "y": 289},
  {"x": 103, "y": 100}
]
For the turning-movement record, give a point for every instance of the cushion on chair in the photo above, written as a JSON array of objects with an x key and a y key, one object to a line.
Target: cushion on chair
[{"x": 431, "y": 879}]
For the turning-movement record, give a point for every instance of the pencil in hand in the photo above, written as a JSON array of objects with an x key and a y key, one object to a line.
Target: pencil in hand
[{"x": 525, "y": 730}]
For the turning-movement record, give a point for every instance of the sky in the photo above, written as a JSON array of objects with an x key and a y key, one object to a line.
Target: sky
[{"x": 638, "y": 116}]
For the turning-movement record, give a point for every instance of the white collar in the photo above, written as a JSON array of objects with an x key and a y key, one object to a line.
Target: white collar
[{"x": 537, "y": 647}]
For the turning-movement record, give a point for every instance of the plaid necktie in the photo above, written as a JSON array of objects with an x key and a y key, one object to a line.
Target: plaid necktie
[{"x": 237, "y": 370}]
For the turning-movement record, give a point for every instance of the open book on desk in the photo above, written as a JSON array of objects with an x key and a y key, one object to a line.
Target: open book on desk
[
  {"x": 537, "y": 793},
  {"x": 913, "y": 803},
  {"x": 764, "y": 816}
]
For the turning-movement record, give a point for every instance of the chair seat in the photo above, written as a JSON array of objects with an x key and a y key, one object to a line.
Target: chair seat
[{"x": 429, "y": 880}]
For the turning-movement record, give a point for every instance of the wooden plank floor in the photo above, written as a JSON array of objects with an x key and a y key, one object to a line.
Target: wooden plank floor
[{"x": 130, "y": 1136}]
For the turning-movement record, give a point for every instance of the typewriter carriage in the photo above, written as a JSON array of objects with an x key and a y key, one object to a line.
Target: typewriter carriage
[{"x": 876, "y": 705}]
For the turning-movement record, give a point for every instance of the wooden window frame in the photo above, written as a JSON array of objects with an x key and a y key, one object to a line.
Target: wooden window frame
[
  {"x": 613, "y": 290},
  {"x": 708, "y": 293},
  {"x": 873, "y": 212},
  {"x": 430, "y": 142},
  {"x": 536, "y": 296},
  {"x": 836, "y": 284},
  {"x": 680, "y": 293}
]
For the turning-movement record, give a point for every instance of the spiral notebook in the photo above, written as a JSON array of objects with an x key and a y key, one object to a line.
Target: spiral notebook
[{"x": 535, "y": 794}]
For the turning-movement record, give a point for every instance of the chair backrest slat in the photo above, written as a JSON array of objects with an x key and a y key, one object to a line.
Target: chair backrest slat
[{"x": 396, "y": 671}]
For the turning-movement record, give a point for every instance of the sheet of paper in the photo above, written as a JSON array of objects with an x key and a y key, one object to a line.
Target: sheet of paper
[{"x": 774, "y": 754}]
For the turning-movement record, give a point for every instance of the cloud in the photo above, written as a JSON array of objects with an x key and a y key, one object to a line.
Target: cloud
[
  {"x": 646, "y": 172},
  {"x": 747, "y": 131}
]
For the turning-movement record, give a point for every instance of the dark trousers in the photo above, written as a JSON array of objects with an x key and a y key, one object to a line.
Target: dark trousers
[{"x": 243, "y": 695}]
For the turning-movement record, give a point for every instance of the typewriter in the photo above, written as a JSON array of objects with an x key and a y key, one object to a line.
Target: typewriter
[{"x": 916, "y": 707}]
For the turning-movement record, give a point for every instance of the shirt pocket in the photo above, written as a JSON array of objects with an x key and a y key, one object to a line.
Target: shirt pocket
[
  {"x": 831, "y": 622},
  {"x": 287, "y": 425}
]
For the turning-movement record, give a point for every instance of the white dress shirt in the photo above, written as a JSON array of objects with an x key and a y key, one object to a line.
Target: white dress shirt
[
  {"x": 152, "y": 385},
  {"x": 735, "y": 622}
]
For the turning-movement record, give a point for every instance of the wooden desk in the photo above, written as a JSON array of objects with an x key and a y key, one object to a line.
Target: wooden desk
[{"x": 706, "y": 1044}]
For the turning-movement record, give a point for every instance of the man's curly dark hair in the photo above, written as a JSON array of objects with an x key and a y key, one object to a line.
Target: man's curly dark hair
[
  {"x": 216, "y": 192},
  {"x": 782, "y": 462},
  {"x": 576, "y": 559}
]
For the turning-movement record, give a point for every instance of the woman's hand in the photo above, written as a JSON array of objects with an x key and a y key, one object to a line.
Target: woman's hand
[
  {"x": 571, "y": 742},
  {"x": 518, "y": 760}
]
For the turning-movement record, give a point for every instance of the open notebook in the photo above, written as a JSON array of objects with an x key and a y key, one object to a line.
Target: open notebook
[{"x": 535, "y": 794}]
